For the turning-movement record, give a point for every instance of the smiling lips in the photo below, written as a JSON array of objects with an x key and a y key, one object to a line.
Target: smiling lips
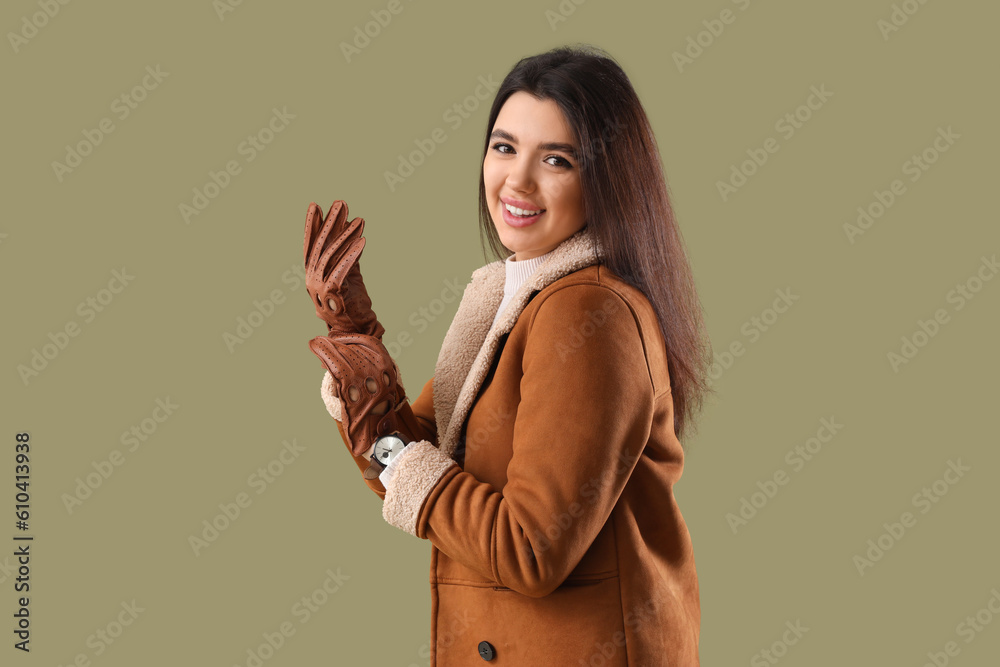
[
  {"x": 520, "y": 216},
  {"x": 522, "y": 212}
]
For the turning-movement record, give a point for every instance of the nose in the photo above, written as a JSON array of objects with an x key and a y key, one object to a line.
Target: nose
[{"x": 520, "y": 177}]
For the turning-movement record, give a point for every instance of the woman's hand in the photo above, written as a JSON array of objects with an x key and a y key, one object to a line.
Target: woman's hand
[
  {"x": 365, "y": 381},
  {"x": 332, "y": 253}
]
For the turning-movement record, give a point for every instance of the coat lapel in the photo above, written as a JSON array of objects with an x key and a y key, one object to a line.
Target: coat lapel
[{"x": 470, "y": 344}]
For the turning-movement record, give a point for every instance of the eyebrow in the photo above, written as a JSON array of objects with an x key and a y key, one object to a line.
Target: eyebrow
[{"x": 549, "y": 146}]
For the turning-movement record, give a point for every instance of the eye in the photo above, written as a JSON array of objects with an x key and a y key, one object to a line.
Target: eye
[
  {"x": 500, "y": 145},
  {"x": 560, "y": 161}
]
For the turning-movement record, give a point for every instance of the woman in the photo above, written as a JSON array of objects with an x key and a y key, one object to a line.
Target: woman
[{"x": 540, "y": 459}]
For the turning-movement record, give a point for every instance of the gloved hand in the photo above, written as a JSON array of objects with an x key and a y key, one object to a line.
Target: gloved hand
[
  {"x": 331, "y": 252},
  {"x": 367, "y": 385}
]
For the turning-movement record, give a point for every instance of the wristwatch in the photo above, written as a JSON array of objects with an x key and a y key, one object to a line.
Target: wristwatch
[{"x": 382, "y": 452}]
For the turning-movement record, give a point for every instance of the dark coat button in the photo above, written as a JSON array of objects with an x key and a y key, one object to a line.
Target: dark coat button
[{"x": 486, "y": 651}]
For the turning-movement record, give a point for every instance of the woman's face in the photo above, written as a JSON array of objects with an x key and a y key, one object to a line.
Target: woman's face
[{"x": 532, "y": 165}]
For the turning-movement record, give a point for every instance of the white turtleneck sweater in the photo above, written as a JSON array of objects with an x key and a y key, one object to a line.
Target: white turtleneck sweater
[{"x": 517, "y": 273}]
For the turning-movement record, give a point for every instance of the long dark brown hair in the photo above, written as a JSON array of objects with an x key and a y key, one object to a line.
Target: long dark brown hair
[{"x": 625, "y": 199}]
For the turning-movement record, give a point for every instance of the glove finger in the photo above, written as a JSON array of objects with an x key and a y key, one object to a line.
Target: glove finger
[
  {"x": 336, "y": 226},
  {"x": 334, "y": 252},
  {"x": 340, "y": 230},
  {"x": 330, "y": 230},
  {"x": 333, "y": 360},
  {"x": 314, "y": 218},
  {"x": 331, "y": 357},
  {"x": 365, "y": 357},
  {"x": 344, "y": 266}
]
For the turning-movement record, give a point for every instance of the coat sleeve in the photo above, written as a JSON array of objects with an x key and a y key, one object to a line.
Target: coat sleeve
[
  {"x": 584, "y": 416},
  {"x": 416, "y": 420}
]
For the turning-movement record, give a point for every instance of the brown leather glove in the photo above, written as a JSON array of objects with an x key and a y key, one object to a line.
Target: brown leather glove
[
  {"x": 332, "y": 252},
  {"x": 366, "y": 383}
]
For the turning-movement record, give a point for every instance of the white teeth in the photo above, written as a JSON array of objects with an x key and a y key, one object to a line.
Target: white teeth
[{"x": 520, "y": 211}]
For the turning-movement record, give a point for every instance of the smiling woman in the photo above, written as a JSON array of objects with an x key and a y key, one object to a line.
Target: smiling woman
[
  {"x": 532, "y": 177},
  {"x": 540, "y": 460}
]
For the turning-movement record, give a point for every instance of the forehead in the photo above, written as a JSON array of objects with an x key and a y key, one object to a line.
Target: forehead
[{"x": 529, "y": 118}]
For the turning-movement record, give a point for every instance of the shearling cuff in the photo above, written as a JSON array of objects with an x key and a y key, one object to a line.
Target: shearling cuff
[
  {"x": 418, "y": 469},
  {"x": 331, "y": 401}
]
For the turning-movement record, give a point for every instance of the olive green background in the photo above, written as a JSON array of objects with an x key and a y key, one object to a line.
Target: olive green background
[{"x": 164, "y": 335}]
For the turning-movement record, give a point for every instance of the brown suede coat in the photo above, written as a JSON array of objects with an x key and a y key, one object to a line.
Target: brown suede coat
[{"x": 544, "y": 477}]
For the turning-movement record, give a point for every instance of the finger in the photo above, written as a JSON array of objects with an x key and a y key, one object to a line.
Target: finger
[
  {"x": 337, "y": 239},
  {"x": 331, "y": 241},
  {"x": 338, "y": 209},
  {"x": 333, "y": 357},
  {"x": 334, "y": 253},
  {"x": 319, "y": 242},
  {"x": 343, "y": 267},
  {"x": 332, "y": 360},
  {"x": 345, "y": 230},
  {"x": 335, "y": 219},
  {"x": 314, "y": 216}
]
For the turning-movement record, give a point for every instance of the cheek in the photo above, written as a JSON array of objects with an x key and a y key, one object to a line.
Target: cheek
[
  {"x": 570, "y": 196},
  {"x": 492, "y": 178}
]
